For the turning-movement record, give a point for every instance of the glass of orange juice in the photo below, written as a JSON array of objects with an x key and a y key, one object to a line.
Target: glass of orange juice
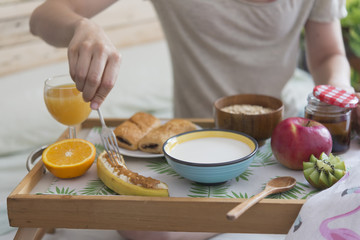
[{"x": 65, "y": 103}]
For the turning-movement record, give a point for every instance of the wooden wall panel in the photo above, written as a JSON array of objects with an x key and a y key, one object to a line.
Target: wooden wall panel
[{"x": 127, "y": 22}]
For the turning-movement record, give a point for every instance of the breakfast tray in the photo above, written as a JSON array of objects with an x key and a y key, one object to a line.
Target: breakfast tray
[{"x": 33, "y": 213}]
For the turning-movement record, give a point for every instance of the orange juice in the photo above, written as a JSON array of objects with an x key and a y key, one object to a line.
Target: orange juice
[{"x": 66, "y": 105}]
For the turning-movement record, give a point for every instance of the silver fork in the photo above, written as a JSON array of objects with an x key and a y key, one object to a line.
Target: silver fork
[{"x": 109, "y": 141}]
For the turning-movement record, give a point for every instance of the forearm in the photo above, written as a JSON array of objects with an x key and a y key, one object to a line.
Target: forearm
[
  {"x": 334, "y": 70},
  {"x": 326, "y": 54},
  {"x": 54, "y": 23}
]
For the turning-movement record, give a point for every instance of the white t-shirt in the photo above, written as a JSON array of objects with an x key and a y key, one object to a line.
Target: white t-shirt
[{"x": 226, "y": 47}]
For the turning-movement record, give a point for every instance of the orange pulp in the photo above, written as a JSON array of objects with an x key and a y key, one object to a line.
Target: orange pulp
[{"x": 69, "y": 158}]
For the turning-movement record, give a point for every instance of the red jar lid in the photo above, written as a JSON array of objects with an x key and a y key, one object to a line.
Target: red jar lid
[{"x": 335, "y": 96}]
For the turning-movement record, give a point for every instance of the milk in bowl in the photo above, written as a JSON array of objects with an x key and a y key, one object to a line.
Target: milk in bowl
[{"x": 210, "y": 155}]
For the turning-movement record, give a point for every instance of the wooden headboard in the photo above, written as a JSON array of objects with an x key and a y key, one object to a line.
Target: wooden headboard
[{"x": 127, "y": 22}]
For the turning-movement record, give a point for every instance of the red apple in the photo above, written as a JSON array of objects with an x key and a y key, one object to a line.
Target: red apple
[{"x": 295, "y": 139}]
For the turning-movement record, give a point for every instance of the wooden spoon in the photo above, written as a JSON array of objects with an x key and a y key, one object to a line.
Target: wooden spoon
[{"x": 276, "y": 185}]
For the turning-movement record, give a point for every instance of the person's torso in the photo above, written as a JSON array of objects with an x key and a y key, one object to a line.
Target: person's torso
[{"x": 225, "y": 47}]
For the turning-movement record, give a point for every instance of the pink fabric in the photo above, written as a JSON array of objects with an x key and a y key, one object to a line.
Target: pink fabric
[{"x": 333, "y": 214}]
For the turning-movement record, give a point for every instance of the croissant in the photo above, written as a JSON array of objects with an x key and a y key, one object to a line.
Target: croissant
[
  {"x": 130, "y": 132},
  {"x": 154, "y": 140}
]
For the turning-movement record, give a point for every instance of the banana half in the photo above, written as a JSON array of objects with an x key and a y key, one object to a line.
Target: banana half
[{"x": 125, "y": 182}]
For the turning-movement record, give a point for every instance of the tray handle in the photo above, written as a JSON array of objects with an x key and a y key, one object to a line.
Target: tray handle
[{"x": 33, "y": 157}]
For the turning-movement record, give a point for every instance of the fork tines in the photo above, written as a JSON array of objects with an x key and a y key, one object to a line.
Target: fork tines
[
  {"x": 112, "y": 149},
  {"x": 109, "y": 141}
]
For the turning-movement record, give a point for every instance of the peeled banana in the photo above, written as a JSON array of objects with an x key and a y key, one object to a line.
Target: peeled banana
[{"x": 125, "y": 182}]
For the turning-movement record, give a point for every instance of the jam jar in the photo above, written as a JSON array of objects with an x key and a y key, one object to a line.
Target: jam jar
[{"x": 333, "y": 113}]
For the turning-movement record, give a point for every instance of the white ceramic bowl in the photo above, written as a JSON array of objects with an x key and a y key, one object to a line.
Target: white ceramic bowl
[{"x": 210, "y": 156}]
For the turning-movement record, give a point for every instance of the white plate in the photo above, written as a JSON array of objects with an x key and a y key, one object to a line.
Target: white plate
[{"x": 139, "y": 154}]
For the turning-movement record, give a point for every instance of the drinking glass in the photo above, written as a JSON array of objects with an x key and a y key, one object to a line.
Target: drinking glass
[{"x": 65, "y": 103}]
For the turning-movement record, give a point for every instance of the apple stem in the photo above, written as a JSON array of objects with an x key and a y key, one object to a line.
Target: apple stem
[{"x": 308, "y": 124}]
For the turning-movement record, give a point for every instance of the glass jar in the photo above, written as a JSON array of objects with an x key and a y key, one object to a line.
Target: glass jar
[{"x": 336, "y": 119}]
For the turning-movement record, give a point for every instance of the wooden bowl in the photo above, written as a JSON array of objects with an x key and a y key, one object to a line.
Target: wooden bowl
[{"x": 259, "y": 126}]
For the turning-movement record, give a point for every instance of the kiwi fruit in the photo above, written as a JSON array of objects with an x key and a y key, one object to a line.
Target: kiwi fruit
[{"x": 325, "y": 171}]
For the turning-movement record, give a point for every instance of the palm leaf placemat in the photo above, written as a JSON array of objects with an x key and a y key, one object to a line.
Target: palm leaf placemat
[{"x": 263, "y": 168}]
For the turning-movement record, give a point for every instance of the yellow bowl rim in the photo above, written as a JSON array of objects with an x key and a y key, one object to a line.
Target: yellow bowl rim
[{"x": 172, "y": 139}]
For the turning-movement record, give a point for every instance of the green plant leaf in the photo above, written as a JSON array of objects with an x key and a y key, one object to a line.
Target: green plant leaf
[
  {"x": 200, "y": 190},
  {"x": 64, "y": 191},
  {"x": 355, "y": 80},
  {"x": 96, "y": 187},
  {"x": 245, "y": 175},
  {"x": 99, "y": 148},
  {"x": 354, "y": 33},
  {"x": 311, "y": 193},
  {"x": 97, "y": 130},
  {"x": 263, "y": 158},
  {"x": 162, "y": 167},
  {"x": 351, "y": 26},
  {"x": 239, "y": 195},
  {"x": 355, "y": 47},
  {"x": 353, "y": 14}
]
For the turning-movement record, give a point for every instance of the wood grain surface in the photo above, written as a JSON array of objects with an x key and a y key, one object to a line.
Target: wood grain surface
[{"x": 127, "y": 22}]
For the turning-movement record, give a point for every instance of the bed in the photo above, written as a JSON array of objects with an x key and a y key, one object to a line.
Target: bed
[{"x": 25, "y": 122}]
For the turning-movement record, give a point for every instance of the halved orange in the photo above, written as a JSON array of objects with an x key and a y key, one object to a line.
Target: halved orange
[{"x": 69, "y": 158}]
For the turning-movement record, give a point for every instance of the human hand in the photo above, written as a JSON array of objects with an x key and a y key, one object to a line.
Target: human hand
[{"x": 93, "y": 62}]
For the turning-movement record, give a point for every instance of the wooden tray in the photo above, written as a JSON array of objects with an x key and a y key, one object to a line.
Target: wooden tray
[{"x": 29, "y": 211}]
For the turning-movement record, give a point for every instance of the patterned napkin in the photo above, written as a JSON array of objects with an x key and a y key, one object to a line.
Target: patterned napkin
[
  {"x": 263, "y": 168},
  {"x": 333, "y": 213}
]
